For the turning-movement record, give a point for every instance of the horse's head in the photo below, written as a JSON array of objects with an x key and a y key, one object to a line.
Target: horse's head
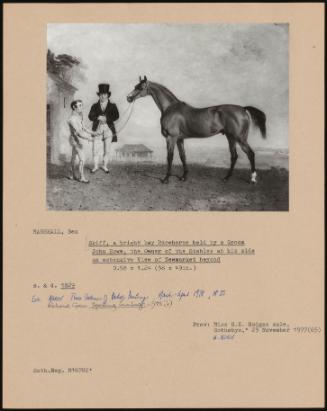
[{"x": 140, "y": 90}]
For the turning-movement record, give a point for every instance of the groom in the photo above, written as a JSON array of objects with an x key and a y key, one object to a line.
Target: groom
[{"x": 103, "y": 114}]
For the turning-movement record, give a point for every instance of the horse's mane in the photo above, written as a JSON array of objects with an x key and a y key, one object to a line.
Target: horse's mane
[{"x": 165, "y": 89}]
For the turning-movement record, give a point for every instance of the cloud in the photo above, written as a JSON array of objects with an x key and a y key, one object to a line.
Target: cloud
[{"x": 202, "y": 64}]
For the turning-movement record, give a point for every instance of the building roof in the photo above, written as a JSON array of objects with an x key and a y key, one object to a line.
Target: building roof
[
  {"x": 62, "y": 83},
  {"x": 134, "y": 148}
]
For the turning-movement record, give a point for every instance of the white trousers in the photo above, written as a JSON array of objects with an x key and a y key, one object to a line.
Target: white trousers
[{"x": 101, "y": 146}]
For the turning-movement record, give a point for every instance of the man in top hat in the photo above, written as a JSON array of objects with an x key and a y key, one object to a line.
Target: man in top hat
[{"x": 103, "y": 114}]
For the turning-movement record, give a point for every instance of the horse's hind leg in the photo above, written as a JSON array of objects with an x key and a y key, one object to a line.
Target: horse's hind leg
[
  {"x": 171, "y": 141},
  {"x": 233, "y": 156},
  {"x": 250, "y": 153},
  {"x": 180, "y": 145},
  {"x": 248, "y": 150}
]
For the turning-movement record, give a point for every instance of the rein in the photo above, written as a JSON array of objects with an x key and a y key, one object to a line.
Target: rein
[{"x": 131, "y": 106}]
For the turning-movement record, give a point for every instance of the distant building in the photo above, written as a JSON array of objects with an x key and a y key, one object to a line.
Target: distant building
[
  {"x": 133, "y": 152},
  {"x": 60, "y": 95}
]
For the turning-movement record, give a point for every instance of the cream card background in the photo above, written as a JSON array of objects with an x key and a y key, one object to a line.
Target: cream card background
[{"x": 155, "y": 358}]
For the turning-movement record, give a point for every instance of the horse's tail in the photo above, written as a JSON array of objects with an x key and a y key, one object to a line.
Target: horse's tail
[{"x": 259, "y": 119}]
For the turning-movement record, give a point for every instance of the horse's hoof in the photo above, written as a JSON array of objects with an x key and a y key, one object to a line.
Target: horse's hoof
[
  {"x": 225, "y": 179},
  {"x": 182, "y": 178},
  {"x": 164, "y": 180}
]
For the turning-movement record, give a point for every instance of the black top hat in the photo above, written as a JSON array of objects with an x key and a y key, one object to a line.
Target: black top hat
[{"x": 104, "y": 89}]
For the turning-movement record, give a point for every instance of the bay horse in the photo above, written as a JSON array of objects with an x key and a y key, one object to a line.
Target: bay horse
[{"x": 180, "y": 121}]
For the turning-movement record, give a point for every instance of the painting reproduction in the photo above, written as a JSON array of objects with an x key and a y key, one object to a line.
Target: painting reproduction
[{"x": 167, "y": 117}]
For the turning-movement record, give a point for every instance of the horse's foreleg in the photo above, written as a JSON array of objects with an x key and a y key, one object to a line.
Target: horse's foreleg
[
  {"x": 171, "y": 141},
  {"x": 250, "y": 153},
  {"x": 180, "y": 145},
  {"x": 233, "y": 156}
]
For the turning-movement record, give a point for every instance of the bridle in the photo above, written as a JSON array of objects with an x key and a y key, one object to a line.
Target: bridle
[
  {"x": 131, "y": 106},
  {"x": 147, "y": 88}
]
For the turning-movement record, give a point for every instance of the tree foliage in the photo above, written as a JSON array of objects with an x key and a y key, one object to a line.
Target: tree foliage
[{"x": 66, "y": 67}]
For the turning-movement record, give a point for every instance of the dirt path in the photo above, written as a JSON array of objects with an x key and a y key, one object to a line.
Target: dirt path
[{"x": 137, "y": 187}]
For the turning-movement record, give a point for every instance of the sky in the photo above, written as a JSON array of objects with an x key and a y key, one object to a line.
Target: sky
[{"x": 202, "y": 64}]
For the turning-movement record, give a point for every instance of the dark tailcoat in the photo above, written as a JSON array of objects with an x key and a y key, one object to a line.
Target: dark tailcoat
[{"x": 111, "y": 113}]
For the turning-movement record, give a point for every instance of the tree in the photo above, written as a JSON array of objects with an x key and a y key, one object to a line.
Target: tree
[{"x": 67, "y": 67}]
